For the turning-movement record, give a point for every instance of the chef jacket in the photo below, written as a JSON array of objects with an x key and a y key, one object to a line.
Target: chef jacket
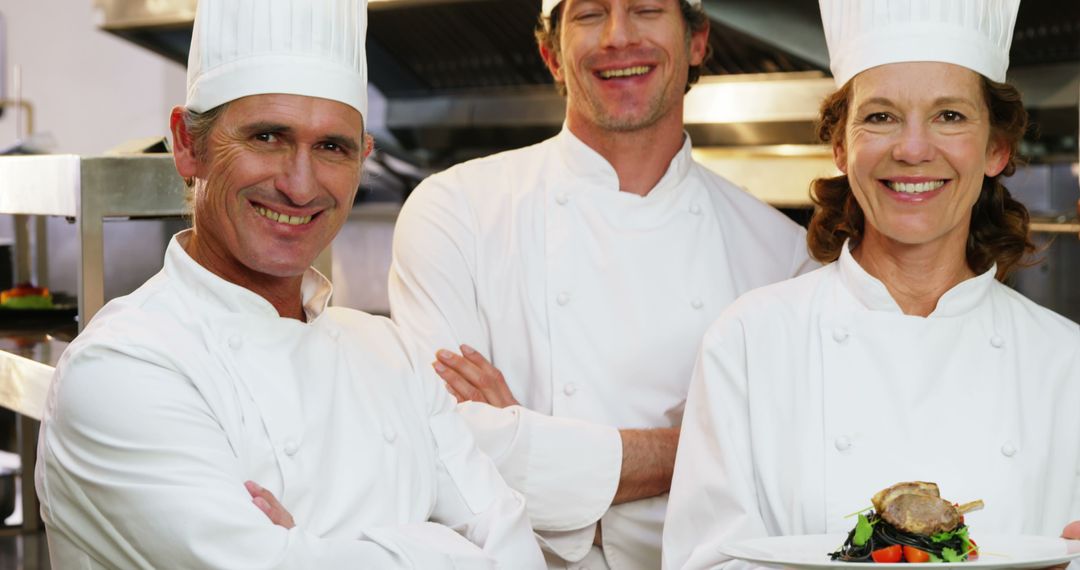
[
  {"x": 176, "y": 394},
  {"x": 592, "y": 303},
  {"x": 811, "y": 395}
]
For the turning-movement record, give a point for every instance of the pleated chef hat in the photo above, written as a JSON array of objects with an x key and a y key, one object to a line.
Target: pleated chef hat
[
  {"x": 550, "y": 5},
  {"x": 862, "y": 34},
  {"x": 296, "y": 47}
]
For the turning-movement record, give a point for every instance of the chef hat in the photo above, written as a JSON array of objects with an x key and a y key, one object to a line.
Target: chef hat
[
  {"x": 296, "y": 47},
  {"x": 550, "y": 5},
  {"x": 862, "y": 34}
]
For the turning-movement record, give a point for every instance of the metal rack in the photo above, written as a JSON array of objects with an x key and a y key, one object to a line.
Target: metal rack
[{"x": 89, "y": 190}]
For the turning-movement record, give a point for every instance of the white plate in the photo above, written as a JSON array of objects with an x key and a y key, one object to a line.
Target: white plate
[{"x": 812, "y": 551}]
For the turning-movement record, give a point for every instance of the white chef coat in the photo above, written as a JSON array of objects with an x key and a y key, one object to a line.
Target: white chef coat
[
  {"x": 592, "y": 303},
  {"x": 178, "y": 393},
  {"x": 811, "y": 395}
]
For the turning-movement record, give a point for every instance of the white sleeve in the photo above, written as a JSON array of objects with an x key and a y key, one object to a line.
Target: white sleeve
[
  {"x": 472, "y": 497},
  {"x": 713, "y": 498},
  {"x": 135, "y": 471},
  {"x": 567, "y": 469}
]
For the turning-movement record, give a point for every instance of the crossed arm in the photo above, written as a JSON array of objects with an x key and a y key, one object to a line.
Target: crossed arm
[{"x": 648, "y": 455}]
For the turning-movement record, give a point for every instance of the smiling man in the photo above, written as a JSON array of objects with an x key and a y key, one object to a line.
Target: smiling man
[
  {"x": 577, "y": 277},
  {"x": 229, "y": 368}
]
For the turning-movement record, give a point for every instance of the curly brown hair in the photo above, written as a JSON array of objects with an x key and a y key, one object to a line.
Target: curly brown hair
[
  {"x": 549, "y": 30},
  {"x": 999, "y": 224}
]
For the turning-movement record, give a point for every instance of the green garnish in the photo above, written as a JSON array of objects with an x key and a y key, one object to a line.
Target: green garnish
[
  {"x": 863, "y": 531},
  {"x": 950, "y": 555}
]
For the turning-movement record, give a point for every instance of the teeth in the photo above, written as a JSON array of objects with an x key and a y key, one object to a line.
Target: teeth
[
  {"x": 625, "y": 72},
  {"x": 915, "y": 188},
  {"x": 282, "y": 218}
]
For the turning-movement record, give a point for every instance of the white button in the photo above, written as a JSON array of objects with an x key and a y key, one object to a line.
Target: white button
[
  {"x": 389, "y": 434},
  {"x": 839, "y": 334},
  {"x": 697, "y": 303},
  {"x": 695, "y": 209},
  {"x": 562, "y": 298},
  {"x": 291, "y": 447},
  {"x": 1008, "y": 449},
  {"x": 997, "y": 342},
  {"x": 334, "y": 333},
  {"x": 561, "y": 199},
  {"x": 842, "y": 443},
  {"x": 569, "y": 389},
  {"x": 235, "y": 342}
]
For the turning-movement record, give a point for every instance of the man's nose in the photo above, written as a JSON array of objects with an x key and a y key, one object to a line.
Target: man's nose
[
  {"x": 296, "y": 179},
  {"x": 620, "y": 29},
  {"x": 914, "y": 144}
]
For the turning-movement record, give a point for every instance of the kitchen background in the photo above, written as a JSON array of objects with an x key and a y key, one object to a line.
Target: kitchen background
[{"x": 451, "y": 80}]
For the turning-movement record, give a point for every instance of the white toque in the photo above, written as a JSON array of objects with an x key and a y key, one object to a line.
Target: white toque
[
  {"x": 550, "y": 5},
  {"x": 296, "y": 47},
  {"x": 862, "y": 34}
]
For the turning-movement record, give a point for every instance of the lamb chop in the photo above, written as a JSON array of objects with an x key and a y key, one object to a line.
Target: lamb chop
[{"x": 917, "y": 508}]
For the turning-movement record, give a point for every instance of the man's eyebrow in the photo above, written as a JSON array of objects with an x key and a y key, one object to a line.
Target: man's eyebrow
[{"x": 264, "y": 127}]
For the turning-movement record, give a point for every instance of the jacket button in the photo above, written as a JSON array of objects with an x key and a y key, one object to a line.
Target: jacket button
[
  {"x": 695, "y": 209},
  {"x": 291, "y": 447},
  {"x": 569, "y": 389},
  {"x": 389, "y": 434},
  {"x": 842, "y": 443},
  {"x": 839, "y": 334},
  {"x": 235, "y": 342},
  {"x": 561, "y": 199},
  {"x": 697, "y": 303},
  {"x": 997, "y": 342},
  {"x": 562, "y": 298},
  {"x": 1008, "y": 449}
]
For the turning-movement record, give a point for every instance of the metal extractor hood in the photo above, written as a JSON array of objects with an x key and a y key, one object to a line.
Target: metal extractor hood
[{"x": 463, "y": 77}]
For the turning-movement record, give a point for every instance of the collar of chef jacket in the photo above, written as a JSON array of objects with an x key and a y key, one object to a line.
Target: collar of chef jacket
[
  {"x": 587, "y": 166},
  {"x": 962, "y": 298},
  {"x": 315, "y": 289}
]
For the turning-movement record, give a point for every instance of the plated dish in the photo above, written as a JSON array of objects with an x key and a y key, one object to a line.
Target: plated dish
[{"x": 812, "y": 552}]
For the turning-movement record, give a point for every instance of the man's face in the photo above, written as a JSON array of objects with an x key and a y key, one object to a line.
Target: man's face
[
  {"x": 624, "y": 62},
  {"x": 275, "y": 185}
]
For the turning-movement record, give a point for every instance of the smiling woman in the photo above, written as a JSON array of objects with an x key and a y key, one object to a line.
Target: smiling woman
[
  {"x": 999, "y": 224},
  {"x": 905, "y": 358}
]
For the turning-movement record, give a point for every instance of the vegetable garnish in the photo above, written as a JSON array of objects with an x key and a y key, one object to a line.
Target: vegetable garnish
[{"x": 863, "y": 531}]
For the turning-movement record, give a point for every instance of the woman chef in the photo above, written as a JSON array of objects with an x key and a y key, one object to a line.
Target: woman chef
[{"x": 906, "y": 358}]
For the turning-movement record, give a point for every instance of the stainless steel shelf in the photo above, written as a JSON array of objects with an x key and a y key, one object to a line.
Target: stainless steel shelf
[{"x": 89, "y": 190}]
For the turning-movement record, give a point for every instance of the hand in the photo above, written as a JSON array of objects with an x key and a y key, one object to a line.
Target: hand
[
  {"x": 470, "y": 377},
  {"x": 1072, "y": 531},
  {"x": 269, "y": 505}
]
